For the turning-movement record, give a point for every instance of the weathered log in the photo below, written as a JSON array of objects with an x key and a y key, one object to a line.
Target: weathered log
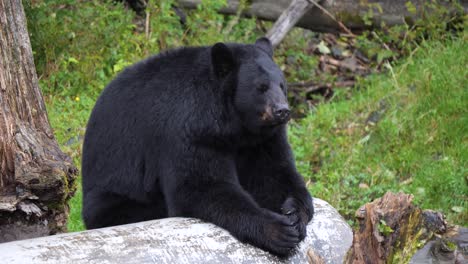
[
  {"x": 36, "y": 178},
  {"x": 178, "y": 240},
  {"x": 350, "y": 12}
]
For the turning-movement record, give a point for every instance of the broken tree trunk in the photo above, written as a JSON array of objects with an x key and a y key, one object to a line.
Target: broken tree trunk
[
  {"x": 349, "y": 12},
  {"x": 36, "y": 178},
  {"x": 391, "y": 229}
]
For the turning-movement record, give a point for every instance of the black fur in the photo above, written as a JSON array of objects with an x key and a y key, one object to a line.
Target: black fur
[{"x": 194, "y": 132}]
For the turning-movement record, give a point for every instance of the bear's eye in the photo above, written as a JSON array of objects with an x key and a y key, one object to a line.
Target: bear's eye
[
  {"x": 282, "y": 87},
  {"x": 263, "y": 88}
]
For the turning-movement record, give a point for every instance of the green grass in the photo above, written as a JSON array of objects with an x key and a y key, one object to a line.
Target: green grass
[
  {"x": 418, "y": 146},
  {"x": 68, "y": 118}
]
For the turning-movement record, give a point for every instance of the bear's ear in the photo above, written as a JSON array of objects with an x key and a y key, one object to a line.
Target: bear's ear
[
  {"x": 265, "y": 44},
  {"x": 222, "y": 60}
]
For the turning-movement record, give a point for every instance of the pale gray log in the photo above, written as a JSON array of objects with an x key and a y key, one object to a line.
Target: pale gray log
[
  {"x": 288, "y": 20},
  {"x": 177, "y": 240}
]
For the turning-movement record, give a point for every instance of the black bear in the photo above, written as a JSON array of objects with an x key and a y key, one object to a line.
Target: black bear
[{"x": 198, "y": 132}]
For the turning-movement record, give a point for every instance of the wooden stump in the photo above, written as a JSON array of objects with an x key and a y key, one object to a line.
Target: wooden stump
[
  {"x": 391, "y": 229},
  {"x": 36, "y": 178}
]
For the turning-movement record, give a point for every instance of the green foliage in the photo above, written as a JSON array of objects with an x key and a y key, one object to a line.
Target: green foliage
[
  {"x": 71, "y": 38},
  {"x": 384, "y": 229},
  {"x": 368, "y": 16},
  {"x": 416, "y": 141},
  {"x": 79, "y": 46},
  {"x": 295, "y": 57},
  {"x": 391, "y": 42}
]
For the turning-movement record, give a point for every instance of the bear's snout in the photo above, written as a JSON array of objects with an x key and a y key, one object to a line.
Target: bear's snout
[
  {"x": 276, "y": 115},
  {"x": 282, "y": 113}
]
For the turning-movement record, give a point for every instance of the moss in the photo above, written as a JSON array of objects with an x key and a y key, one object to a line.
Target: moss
[
  {"x": 412, "y": 237},
  {"x": 350, "y": 18},
  {"x": 449, "y": 245}
]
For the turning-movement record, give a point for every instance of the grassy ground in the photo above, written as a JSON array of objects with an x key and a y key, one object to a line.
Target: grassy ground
[{"x": 402, "y": 131}]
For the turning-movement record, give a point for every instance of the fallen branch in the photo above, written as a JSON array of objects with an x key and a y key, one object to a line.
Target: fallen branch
[
  {"x": 288, "y": 20},
  {"x": 344, "y": 64},
  {"x": 348, "y": 83}
]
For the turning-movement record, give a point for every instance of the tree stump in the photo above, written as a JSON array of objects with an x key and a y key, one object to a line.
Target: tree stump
[
  {"x": 36, "y": 178},
  {"x": 392, "y": 229}
]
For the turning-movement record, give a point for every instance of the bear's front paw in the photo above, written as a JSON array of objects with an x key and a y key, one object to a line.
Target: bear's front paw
[
  {"x": 298, "y": 213},
  {"x": 281, "y": 235}
]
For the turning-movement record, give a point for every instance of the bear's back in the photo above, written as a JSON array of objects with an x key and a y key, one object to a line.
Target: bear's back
[
  {"x": 152, "y": 88},
  {"x": 135, "y": 115}
]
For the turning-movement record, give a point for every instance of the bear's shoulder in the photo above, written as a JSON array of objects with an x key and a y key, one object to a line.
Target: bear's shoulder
[{"x": 178, "y": 56}]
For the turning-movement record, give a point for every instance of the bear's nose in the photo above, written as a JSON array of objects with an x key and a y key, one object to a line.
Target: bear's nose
[{"x": 282, "y": 113}]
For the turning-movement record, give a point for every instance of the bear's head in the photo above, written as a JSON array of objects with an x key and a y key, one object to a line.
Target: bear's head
[{"x": 255, "y": 83}]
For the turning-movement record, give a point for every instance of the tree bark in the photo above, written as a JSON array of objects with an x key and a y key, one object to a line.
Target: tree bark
[
  {"x": 350, "y": 12},
  {"x": 391, "y": 229},
  {"x": 36, "y": 178}
]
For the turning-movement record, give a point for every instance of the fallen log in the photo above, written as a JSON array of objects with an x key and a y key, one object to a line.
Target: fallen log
[
  {"x": 179, "y": 240},
  {"x": 349, "y": 12}
]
